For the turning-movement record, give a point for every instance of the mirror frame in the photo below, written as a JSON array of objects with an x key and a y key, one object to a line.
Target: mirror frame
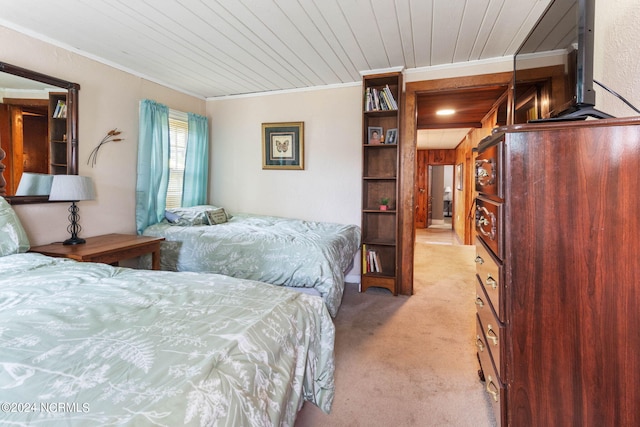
[{"x": 72, "y": 124}]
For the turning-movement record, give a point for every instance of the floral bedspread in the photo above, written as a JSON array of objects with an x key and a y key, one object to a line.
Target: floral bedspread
[
  {"x": 280, "y": 251},
  {"x": 91, "y": 344}
]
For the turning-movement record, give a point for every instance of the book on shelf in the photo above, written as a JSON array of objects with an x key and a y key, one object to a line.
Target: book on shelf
[
  {"x": 376, "y": 262},
  {"x": 379, "y": 99},
  {"x": 371, "y": 261},
  {"x": 392, "y": 100},
  {"x": 60, "y": 111},
  {"x": 364, "y": 268}
]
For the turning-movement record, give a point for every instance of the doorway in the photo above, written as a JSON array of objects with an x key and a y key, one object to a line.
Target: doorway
[
  {"x": 441, "y": 192},
  {"x": 440, "y": 229},
  {"x": 463, "y": 159},
  {"x": 435, "y": 204},
  {"x": 435, "y": 198}
]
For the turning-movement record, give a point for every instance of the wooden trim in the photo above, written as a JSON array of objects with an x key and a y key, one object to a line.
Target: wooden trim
[{"x": 26, "y": 102}]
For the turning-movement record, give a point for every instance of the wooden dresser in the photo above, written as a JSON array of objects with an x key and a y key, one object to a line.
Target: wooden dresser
[{"x": 558, "y": 269}]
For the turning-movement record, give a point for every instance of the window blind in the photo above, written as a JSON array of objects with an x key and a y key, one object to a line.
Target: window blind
[{"x": 178, "y": 131}]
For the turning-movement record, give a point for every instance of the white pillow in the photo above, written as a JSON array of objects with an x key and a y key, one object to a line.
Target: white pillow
[{"x": 216, "y": 216}]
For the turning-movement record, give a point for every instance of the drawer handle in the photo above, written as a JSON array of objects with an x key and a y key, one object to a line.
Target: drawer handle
[
  {"x": 482, "y": 222},
  {"x": 491, "y": 281},
  {"x": 479, "y": 260},
  {"x": 492, "y": 335},
  {"x": 479, "y": 343},
  {"x": 484, "y": 177},
  {"x": 479, "y": 301},
  {"x": 492, "y": 389}
]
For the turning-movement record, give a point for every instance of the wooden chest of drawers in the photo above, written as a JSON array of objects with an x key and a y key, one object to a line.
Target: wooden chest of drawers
[{"x": 558, "y": 273}]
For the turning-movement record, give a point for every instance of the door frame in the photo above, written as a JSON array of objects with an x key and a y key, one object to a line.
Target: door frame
[
  {"x": 407, "y": 173},
  {"x": 430, "y": 165},
  {"x": 425, "y": 160}
]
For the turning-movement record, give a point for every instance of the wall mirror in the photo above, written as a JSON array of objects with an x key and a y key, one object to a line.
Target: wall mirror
[{"x": 38, "y": 132}]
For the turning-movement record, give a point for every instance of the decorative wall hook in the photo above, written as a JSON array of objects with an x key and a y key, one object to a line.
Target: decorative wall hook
[{"x": 109, "y": 137}]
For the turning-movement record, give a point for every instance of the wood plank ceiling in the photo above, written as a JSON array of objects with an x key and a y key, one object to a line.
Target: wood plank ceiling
[
  {"x": 218, "y": 48},
  {"x": 470, "y": 106},
  {"x": 446, "y": 132}
]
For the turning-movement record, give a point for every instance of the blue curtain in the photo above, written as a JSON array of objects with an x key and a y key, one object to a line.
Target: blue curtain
[
  {"x": 153, "y": 164},
  {"x": 196, "y": 167}
]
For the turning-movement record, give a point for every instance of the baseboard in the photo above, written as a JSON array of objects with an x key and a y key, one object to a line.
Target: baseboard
[{"x": 352, "y": 278}]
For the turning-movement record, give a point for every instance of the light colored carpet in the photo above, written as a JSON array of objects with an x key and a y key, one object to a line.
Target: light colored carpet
[{"x": 410, "y": 361}]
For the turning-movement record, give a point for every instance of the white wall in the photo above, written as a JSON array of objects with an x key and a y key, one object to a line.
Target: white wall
[
  {"x": 108, "y": 98},
  {"x": 329, "y": 187},
  {"x": 617, "y": 63}
]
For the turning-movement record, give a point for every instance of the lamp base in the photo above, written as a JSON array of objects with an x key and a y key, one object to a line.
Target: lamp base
[
  {"x": 74, "y": 228},
  {"x": 74, "y": 241}
]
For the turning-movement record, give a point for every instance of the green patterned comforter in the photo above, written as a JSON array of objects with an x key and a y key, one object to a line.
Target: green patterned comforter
[
  {"x": 99, "y": 345},
  {"x": 280, "y": 251}
]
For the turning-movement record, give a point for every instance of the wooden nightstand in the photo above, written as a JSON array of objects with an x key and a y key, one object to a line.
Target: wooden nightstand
[{"x": 108, "y": 249}]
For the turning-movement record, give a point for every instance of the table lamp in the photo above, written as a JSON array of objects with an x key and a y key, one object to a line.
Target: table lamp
[
  {"x": 72, "y": 188},
  {"x": 447, "y": 193},
  {"x": 34, "y": 184}
]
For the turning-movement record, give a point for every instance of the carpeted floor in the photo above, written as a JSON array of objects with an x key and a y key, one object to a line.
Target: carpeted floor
[{"x": 410, "y": 361}]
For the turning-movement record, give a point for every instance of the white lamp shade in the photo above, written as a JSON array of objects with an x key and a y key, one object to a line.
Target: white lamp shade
[
  {"x": 71, "y": 188},
  {"x": 447, "y": 189},
  {"x": 34, "y": 184}
]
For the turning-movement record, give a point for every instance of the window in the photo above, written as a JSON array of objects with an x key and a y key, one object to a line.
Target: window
[{"x": 178, "y": 131}]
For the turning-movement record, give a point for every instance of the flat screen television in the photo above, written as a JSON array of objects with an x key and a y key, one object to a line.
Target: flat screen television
[{"x": 553, "y": 68}]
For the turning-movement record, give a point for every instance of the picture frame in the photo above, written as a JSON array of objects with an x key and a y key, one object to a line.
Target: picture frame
[
  {"x": 459, "y": 176},
  {"x": 374, "y": 135},
  {"x": 283, "y": 145},
  {"x": 391, "y": 137}
]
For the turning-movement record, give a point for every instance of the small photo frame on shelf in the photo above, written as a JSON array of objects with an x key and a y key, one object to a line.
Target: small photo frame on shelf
[
  {"x": 392, "y": 136},
  {"x": 283, "y": 145},
  {"x": 375, "y": 135},
  {"x": 459, "y": 176}
]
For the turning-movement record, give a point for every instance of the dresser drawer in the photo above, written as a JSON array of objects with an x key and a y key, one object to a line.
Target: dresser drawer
[
  {"x": 490, "y": 275},
  {"x": 488, "y": 170},
  {"x": 492, "y": 329},
  {"x": 489, "y": 225},
  {"x": 493, "y": 386}
]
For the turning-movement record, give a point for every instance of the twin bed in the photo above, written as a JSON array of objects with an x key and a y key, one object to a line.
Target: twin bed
[
  {"x": 93, "y": 344},
  {"x": 307, "y": 255}
]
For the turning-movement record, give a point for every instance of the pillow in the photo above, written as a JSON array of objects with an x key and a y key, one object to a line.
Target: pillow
[
  {"x": 216, "y": 216},
  {"x": 171, "y": 217},
  {"x": 194, "y": 215},
  {"x": 13, "y": 238}
]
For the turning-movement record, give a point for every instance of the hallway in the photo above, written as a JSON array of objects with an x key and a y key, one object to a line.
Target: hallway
[{"x": 437, "y": 234}]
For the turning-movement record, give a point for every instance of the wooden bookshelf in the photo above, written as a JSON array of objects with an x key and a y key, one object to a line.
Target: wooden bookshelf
[
  {"x": 380, "y": 165},
  {"x": 58, "y": 151}
]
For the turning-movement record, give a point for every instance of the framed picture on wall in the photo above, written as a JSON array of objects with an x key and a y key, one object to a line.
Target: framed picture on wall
[
  {"x": 459, "y": 176},
  {"x": 283, "y": 145}
]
